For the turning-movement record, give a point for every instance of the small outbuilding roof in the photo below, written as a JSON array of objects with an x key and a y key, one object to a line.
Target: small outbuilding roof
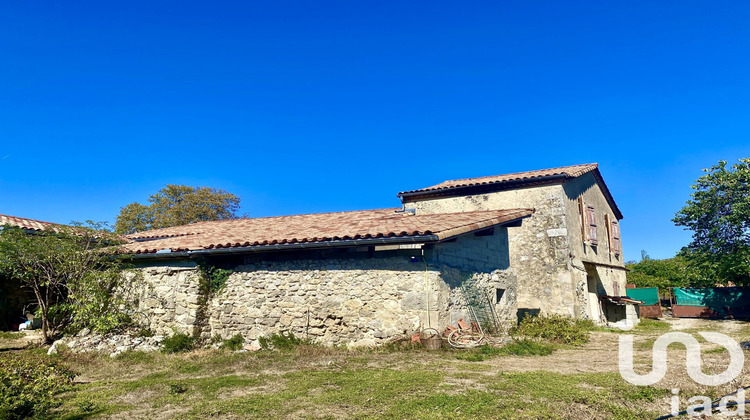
[{"x": 322, "y": 228}]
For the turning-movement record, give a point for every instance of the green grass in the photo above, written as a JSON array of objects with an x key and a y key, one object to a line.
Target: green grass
[
  {"x": 648, "y": 325},
  {"x": 386, "y": 393},
  {"x": 527, "y": 347},
  {"x": 318, "y": 382},
  {"x": 522, "y": 347},
  {"x": 358, "y": 392},
  {"x": 9, "y": 335},
  {"x": 607, "y": 393}
]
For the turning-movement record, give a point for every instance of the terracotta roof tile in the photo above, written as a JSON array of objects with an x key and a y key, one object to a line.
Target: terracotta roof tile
[
  {"x": 514, "y": 180},
  {"x": 29, "y": 224},
  {"x": 320, "y": 227},
  {"x": 568, "y": 171}
]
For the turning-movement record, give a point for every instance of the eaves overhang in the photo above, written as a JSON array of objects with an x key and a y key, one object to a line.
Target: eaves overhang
[
  {"x": 495, "y": 186},
  {"x": 412, "y": 196},
  {"x": 167, "y": 254},
  {"x": 339, "y": 244}
]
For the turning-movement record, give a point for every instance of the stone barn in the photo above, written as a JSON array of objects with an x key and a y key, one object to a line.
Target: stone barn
[
  {"x": 491, "y": 249},
  {"x": 355, "y": 278}
]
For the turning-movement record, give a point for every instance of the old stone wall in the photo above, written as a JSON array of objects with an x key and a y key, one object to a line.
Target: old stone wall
[
  {"x": 477, "y": 253},
  {"x": 352, "y": 302},
  {"x": 169, "y": 296},
  {"x": 356, "y": 301},
  {"x": 539, "y": 251}
]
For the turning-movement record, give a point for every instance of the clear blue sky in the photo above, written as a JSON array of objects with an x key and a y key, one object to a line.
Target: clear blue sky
[{"x": 302, "y": 107}]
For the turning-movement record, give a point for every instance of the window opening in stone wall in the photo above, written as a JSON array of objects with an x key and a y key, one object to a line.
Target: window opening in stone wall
[{"x": 499, "y": 295}]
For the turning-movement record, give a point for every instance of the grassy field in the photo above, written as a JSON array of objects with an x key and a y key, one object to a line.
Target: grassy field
[{"x": 549, "y": 381}]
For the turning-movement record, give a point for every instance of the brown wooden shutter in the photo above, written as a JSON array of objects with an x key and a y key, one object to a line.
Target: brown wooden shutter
[
  {"x": 591, "y": 225},
  {"x": 582, "y": 214},
  {"x": 609, "y": 231},
  {"x": 616, "y": 243},
  {"x": 616, "y": 287}
]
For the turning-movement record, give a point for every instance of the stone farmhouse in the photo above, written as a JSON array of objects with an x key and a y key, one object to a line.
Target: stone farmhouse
[
  {"x": 568, "y": 256},
  {"x": 489, "y": 249}
]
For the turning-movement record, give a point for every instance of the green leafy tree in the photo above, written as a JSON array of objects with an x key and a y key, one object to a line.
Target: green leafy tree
[
  {"x": 177, "y": 205},
  {"x": 670, "y": 272},
  {"x": 74, "y": 272},
  {"x": 718, "y": 214}
]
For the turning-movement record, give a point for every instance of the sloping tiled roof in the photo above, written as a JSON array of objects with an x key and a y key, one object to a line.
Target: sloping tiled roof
[
  {"x": 567, "y": 171},
  {"x": 316, "y": 228},
  {"x": 514, "y": 180},
  {"x": 28, "y": 224}
]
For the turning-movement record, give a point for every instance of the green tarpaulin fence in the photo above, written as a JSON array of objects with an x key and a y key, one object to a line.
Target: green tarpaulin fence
[
  {"x": 718, "y": 299},
  {"x": 648, "y": 295}
]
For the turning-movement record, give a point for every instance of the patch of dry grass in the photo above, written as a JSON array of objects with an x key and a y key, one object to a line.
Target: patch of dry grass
[{"x": 405, "y": 382}]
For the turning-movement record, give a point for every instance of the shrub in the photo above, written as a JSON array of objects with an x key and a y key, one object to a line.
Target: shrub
[
  {"x": 554, "y": 328},
  {"x": 235, "y": 343},
  {"x": 587, "y": 325},
  {"x": 179, "y": 342},
  {"x": 144, "y": 332},
  {"x": 28, "y": 385},
  {"x": 284, "y": 340}
]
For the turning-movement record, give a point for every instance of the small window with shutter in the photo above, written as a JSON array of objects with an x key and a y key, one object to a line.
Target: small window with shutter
[{"x": 591, "y": 225}]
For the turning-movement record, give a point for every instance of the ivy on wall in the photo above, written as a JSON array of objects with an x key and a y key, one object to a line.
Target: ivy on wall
[
  {"x": 211, "y": 281},
  {"x": 213, "y": 278}
]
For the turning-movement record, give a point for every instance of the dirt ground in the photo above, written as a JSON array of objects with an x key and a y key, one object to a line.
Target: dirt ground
[
  {"x": 29, "y": 338},
  {"x": 599, "y": 355}
]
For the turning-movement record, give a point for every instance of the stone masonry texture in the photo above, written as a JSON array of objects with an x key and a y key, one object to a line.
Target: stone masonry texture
[
  {"x": 354, "y": 301},
  {"x": 548, "y": 253}
]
